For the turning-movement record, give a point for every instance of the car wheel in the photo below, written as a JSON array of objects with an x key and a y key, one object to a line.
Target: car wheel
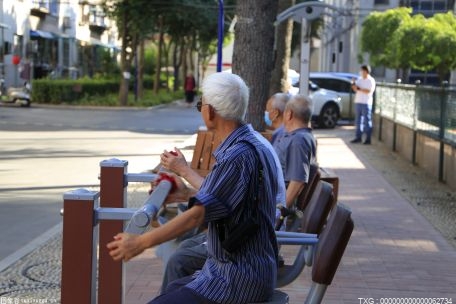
[
  {"x": 329, "y": 116},
  {"x": 25, "y": 103}
]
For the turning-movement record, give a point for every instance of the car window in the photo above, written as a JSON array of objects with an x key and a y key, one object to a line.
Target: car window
[{"x": 333, "y": 84}]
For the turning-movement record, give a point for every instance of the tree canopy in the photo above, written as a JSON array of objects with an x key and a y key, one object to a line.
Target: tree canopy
[
  {"x": 398, "y": 40},
  {"x": 189, "y": 25}
]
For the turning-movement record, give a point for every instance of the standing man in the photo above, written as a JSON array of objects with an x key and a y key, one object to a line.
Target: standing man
[
  {"x": 239, "y": 191},
  {"x": 364, "y": 88}
]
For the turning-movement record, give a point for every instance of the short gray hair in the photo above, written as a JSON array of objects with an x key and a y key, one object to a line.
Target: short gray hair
[
  {"x": 228, "y": 94},
  {"x": 301, "y": 106},
  {"x": 279, "y": 101}
]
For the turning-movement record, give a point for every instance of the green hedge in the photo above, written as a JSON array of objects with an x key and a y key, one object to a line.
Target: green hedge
[{"x": 56, "y": 91}]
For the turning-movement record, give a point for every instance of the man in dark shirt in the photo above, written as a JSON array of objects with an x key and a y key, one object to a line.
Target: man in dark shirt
[{"x": 297, "y": 148}]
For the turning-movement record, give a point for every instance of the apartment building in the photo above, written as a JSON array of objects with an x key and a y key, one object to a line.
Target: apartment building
[
  {"x": 53, "y": 38},
  {"x": 339, "y": 46}
]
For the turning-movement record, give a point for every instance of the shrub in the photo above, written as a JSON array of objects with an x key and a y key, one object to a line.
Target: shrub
[{"x": 58, "y": 91}]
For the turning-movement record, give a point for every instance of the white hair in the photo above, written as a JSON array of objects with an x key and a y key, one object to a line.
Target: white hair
[
  {"x": 279, "y": 101},
  {"x": 227, "y": 94},
  {"x": 301, "y": 106}
]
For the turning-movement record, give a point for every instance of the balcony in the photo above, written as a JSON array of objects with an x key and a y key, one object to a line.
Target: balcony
[{"x": 43, "y": 8}]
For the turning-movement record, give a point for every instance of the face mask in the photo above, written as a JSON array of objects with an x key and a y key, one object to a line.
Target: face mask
[{"x": 267, "y": 120}]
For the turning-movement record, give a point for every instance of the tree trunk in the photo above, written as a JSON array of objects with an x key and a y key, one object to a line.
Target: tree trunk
[
  {"x": 166, "y": 49},
  {"x": 159, "y": 55},
  {"x": 140, "y": 69},
  {"x": 178, "y": 54},
  {"x": 253, "y": 52},
  {"x": 282, "y": 54},
  {"x": 125, "y": 63}
]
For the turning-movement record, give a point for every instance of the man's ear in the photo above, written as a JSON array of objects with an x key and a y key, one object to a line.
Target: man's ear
[
  {"x": 288, "y": 115},
  {"x": 211, "y": 113}
]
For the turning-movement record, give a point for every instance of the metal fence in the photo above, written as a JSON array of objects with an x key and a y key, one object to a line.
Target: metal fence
[{"x": 428, "y": 109}]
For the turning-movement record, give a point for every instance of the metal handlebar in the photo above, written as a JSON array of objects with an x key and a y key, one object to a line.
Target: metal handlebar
[{"x": 141, "y": 219}]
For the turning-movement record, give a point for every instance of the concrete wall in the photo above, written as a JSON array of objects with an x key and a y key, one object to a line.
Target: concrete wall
[{"x": 427, "y": 149}]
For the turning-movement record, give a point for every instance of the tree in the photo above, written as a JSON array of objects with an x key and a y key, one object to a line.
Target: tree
[
  {"x": 377, "y": 37},
  {"x": 433, "y": 41},
  {"x": 283, "y": 51},
  {"x": 134, "y": 26},
  {"x": 253, "y": 52}
]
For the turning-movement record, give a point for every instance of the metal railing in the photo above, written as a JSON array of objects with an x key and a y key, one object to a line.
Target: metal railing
[{"x": 427, "y": 109}]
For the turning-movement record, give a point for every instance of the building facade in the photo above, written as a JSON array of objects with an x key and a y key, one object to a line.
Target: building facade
[
  {"x": 53, "y": 38},
  {"x": 340, "y": 49}
]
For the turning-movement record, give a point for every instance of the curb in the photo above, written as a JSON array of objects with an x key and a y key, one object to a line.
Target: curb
[
  {"x": 76, "y": 107},
  {"x": 31, "y": 246}
]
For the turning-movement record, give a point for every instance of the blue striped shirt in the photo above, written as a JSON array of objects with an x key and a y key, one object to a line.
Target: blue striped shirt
[{"x": 249, "y": 274}]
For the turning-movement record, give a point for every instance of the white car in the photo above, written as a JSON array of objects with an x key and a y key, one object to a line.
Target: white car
[
  {"x": 341, "y": 84},
  {"x": 326, "y": 105}
]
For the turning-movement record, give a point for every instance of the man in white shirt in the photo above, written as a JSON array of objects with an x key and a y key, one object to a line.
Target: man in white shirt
[{"x": 364, "y": 88}]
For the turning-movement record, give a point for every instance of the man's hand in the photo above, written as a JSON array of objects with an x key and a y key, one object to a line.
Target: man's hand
[
  {"x": 125, "y": 246},
  {"x": 179, "y": 194},
  {"x": 174, "y": 161}
]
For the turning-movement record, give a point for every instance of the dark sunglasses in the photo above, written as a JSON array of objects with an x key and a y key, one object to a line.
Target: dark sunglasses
[{"x": 200, "y": 104}]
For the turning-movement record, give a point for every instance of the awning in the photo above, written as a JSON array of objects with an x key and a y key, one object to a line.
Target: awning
[
  {"x": 4, "y": 26},
  {"x": 42, "y": 34}
]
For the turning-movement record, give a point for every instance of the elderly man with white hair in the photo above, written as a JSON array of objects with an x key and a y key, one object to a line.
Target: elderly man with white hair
[{"x": 237, "y": 200}]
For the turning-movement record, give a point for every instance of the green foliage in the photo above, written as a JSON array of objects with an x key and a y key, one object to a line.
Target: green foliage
[
  {"x": 150, "y": 99},
  {"x": 57, "y": 91},
  {"x": 377, "y": 35},
  {"x": 86, "y": 91},
  {"x": 395, "y": 39}
]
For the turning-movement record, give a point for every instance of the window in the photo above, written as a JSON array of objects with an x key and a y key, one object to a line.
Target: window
[
  {"x": 332, "y": 84},
  {"x": 381, "y": 2}
]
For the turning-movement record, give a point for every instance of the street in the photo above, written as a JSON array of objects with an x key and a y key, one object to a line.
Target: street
[{"x": 46, "y": 151}]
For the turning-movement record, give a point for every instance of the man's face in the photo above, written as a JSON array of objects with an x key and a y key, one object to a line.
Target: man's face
[
  {"x": 363, "y": 73},
  {"x": 205, "y": 109},
  {"x": 272, "y": 112}
]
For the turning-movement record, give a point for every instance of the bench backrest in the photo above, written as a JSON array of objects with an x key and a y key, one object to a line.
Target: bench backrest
[
  {"x": 317, "y": 211},
  {"x": 206, "y": 143},
  {"x": 331, "y": 246},
  {"x": 306, "y": 194}
]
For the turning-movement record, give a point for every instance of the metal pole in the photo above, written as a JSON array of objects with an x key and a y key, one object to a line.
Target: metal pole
[
  {"x": 79, "y": 247},
  {"x": 113, "y": 183},
  {"x": 305, "y": 56},
  {"x": 221, "y": 21}
]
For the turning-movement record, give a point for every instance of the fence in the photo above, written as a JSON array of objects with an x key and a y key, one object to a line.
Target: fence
[
  {"x": 419, "y": 117},
  {"x": 427, "y": 109}
]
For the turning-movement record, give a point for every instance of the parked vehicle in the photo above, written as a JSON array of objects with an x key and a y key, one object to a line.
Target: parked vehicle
[
  {"x": 340, "y": 83},
  {"x": 20, "y": 96},
  {"x": 326, "y": 105}
]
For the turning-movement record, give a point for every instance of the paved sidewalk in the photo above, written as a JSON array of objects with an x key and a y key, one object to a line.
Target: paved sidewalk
[{"x": 394, "y": 251}]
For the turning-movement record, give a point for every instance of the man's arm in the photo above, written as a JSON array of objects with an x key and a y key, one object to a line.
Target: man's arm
[
  {"x": 126, "y": 246},
  {"x": 293, "y": 190}
]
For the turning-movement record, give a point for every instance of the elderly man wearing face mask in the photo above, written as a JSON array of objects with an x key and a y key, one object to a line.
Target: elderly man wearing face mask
[{"x": 273, "y": 116}]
